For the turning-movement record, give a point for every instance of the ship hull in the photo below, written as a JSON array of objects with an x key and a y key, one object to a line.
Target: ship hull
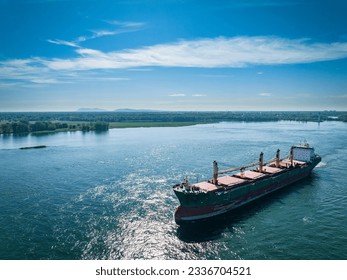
[{"x": 210, "y": 205}]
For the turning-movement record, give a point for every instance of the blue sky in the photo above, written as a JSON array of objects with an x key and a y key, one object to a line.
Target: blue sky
[{"x": 58, "y": 55}]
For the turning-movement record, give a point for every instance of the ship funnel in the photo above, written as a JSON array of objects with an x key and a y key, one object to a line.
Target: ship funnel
[
  {"x": 261, "y": 162},
  {"x": 215, "y": 172}
]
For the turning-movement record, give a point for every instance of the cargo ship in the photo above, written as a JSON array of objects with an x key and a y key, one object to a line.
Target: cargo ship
[{"x": 206, "y": 200}]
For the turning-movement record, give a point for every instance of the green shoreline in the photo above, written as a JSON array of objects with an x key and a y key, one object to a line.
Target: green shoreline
[
  {"x": 51, "y": 122},
  {"x": 116, "y": 125},
  {"x": 151, "y": 124}
]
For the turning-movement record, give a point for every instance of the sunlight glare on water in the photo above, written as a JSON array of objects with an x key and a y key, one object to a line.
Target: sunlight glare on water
[{"x": 109, "y": 195}]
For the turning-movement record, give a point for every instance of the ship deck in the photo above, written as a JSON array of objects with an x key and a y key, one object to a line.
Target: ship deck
[
  {"x": 250, "y": 174},
  {"x": 230, "y": 181}
]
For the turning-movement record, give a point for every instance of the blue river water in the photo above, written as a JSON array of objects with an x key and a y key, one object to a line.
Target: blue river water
[{"x": 108, "y": 195}]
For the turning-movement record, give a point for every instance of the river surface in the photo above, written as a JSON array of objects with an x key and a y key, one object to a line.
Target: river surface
[{"x": 108, "y": 195}]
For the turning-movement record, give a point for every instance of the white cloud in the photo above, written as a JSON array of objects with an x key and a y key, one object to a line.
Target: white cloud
[
  {"x": 62, "y": 42},
  {"x": 198, "y": 95},
  {"x": 95, "y": 34},
  {"x": 177, "y": 95},
  {"x": 128, "y": 24},
  {"x": 102, "y": 33},
  {"x": 264, "y": 94},
  {"x": 33, "y": 72},
  {"x": 44, "y": 81},
  {"x": 122, "y": 27},
  {"x": 22, "y": 69},
  {"x": 219, "y": 52},
  {"x": 208, "y": 53}
]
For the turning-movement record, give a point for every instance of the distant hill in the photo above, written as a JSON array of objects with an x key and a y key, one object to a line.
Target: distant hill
[
  {"x": 122, "y": 110},
  {"x": 91, "y": 110},
  {"x": 135, "y": 110}
]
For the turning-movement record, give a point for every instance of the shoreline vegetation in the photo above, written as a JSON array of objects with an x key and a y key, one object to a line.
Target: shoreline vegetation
[{"x": 43, "y": 122}]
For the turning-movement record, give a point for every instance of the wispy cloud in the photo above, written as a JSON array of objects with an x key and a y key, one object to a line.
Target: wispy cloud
[
  {"x": 23, "y": 70},
  {"x": 236, "y": 52},
  {"x": 208, "y": 53},
  {"x": 120, "y": 27},
  {"x": 126, "y": 24},
  {"x": 33, "y": 73},
  {"x": 62, "y": 42},
  {"x": 44, "y": 81},
  {"x": 102, "y": 33},
  {"x": 177, "y": 95},
  {"x": 198, "y": 95},
  {"x": 264, "y": 94}
]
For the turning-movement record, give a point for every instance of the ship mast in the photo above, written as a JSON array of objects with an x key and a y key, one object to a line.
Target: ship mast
[
  {"x": 278, "y": 158},
  {"x": 291, "y": 156},
  {"x": 215, "y": 172},
  {"x": 261, "y": 162}
]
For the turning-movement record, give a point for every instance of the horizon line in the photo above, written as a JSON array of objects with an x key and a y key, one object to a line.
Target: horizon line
[{"x": 171, "y": 111}]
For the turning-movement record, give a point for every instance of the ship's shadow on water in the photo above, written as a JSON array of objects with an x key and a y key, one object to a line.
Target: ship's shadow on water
[{"x": 212, "y": 229}]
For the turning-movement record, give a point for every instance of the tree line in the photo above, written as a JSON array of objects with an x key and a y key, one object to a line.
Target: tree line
[
  {"x": 26, "y": 122},
  {"x": 203, "y": 117},
  {"x": 17, "y": 127}
]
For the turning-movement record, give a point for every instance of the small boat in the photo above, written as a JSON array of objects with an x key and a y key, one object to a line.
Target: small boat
[{"x": 205, "y": 200}]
